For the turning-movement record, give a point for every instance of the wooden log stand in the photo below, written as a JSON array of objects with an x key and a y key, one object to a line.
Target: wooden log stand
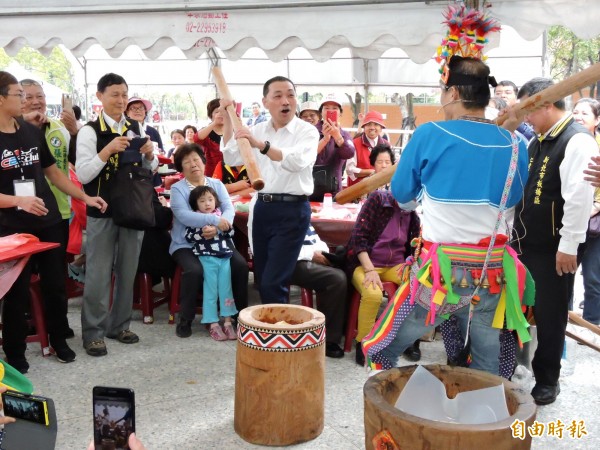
[
  {"x": 280, "y": 376},
  {"x": 381, "y": 392}
]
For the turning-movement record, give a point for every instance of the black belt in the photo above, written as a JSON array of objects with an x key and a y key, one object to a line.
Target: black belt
[{"x": 268, "y": 198}]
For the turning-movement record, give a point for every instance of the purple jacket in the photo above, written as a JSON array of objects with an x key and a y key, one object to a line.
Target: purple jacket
[
  {"x": 334, "y": 156},
  {"x": 370, "y": 223}
]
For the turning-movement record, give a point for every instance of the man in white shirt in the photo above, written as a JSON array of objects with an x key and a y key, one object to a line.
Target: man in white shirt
[
  {"x": 550, "y": 225},
  {"x": 285, "y": 149},
  {"x": 314, "y": 271},
  {"x": 101, "y": 149}
]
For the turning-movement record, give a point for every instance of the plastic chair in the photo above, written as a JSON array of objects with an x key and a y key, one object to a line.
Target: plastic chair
[
  {"x": 174, "y": 306},
  {"x": 146, "y": 299},
  {"x": 352, "y": 323},
  {"x": 306, "y": 297},
  {"x": 38, "y": 320}
]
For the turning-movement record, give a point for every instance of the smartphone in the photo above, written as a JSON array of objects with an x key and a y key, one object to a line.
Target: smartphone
[
  {"x": 331, "y": 114},
  {"x": 26, "y": 407},
  {"x": 114, "y": 417},
  {"x": 67, "y": 102},
  {"x": 136, "y": 143}
]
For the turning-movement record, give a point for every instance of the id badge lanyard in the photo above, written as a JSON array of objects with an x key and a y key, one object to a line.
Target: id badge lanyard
[{"x": 25, "y": 187}]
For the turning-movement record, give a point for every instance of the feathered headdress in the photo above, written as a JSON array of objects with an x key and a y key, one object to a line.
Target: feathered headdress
[{"x": 467, "y": 33}]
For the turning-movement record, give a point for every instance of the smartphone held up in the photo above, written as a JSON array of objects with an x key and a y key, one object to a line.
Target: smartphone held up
[
  {"x": 114, "y": 417},
  {"x": 332, "y": 115},
  {"x": 67, "y": 102}
]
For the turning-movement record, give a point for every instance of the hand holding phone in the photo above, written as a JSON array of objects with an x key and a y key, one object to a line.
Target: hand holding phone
[
  {"x": 136, "y": 143},
  {"x": 113, "y": 416},
  {"x": 67, "y": 102},
  {"x": 332, "y": 114},
  {"x": 25, "y": 407}
]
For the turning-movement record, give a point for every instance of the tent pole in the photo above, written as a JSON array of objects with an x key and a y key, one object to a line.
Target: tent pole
[
  {"x": 83, "y": 65},
  {"x": 545, "y": 55},
  {"x": 366, "y": 70},
  {"x": 86, "y": 86}
]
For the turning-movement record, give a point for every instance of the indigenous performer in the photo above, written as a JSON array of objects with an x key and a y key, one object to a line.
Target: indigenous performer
[{"x": 469, "y": 175}]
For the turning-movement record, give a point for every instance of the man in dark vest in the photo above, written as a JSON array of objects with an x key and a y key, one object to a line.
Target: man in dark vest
[
  {"x": 550, "y": 225},
  {"x": 101, "y": 146}
]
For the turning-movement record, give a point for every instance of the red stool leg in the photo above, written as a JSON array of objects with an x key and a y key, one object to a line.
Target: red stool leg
[
  {"x": 390, "y": 288},
  {"x": 167, "y": 285},
  {"x": 352, "y": 323},
  {"x": 37, "y": 313},
  {"x": 144, "y": 282},
  {"x": 174, "y": 299},
  {"x": 306, "y": 296}
]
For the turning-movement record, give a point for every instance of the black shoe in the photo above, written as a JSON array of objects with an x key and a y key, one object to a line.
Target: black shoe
[
  {"x": 360, "y": 356},
  {"x": 332, "y": 350},
  {"x": 184, "y": 328},
  {"x": 62, "y": 351},
  {"x": 20, "y": 364},
  {"x": 544, "y": 394},
  {"x": 70, "y": 333},
  {"x": 413, "y": 352}
]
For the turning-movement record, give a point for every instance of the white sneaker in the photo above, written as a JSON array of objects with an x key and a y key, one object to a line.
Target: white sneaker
[{"x": 76, "y": 273}]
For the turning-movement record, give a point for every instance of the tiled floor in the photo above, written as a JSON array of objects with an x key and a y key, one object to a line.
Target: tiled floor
[{"x": 184, "y": 391}]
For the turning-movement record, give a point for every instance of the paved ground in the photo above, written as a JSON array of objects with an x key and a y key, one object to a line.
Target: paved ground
[{"x": 184, "y": 391}]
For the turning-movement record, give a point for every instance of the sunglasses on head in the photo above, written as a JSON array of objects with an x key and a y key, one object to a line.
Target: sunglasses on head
[{"x": 30, "y": 82}]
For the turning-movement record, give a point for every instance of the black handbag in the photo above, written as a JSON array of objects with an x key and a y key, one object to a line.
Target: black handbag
[
  {"x": 325, "y": 182},
  {"x": 131, "y": 197}
]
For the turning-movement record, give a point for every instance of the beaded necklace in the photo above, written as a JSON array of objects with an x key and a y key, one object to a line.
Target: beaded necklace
[{"x": 475, "y": 119}]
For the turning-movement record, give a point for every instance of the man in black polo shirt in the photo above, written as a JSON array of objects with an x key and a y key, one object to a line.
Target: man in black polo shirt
[{"x": 550, "y": 225}]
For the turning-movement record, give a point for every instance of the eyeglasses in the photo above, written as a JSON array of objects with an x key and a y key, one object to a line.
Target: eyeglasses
[
  {"x": 39, "y": 97},
  {"x": 137, "y": 109},
  {"x": 20, "y": 94},
  {"x": 444, "y": 87}
]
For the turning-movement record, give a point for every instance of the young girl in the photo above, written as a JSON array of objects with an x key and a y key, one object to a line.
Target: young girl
[{"x": 214, "y": 254}]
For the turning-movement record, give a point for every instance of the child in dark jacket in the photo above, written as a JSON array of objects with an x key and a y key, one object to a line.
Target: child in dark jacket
[{"x": 214, "y": 255}]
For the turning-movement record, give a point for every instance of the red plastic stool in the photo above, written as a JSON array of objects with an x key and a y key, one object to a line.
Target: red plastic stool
[
  {"x": 306, "y": 297},
  {"x": 352, "y": 323},
  {"x": 38, "y": 321},
  {"x": 174, "y": 306},
  {"x": 37, "y": 316},
  {"x": 146, "y": 299}
]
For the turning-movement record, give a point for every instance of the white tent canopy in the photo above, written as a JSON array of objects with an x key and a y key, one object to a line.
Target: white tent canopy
[
  {"x": 368, "y": 28},
  {"x": 514, "y": 58}
]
